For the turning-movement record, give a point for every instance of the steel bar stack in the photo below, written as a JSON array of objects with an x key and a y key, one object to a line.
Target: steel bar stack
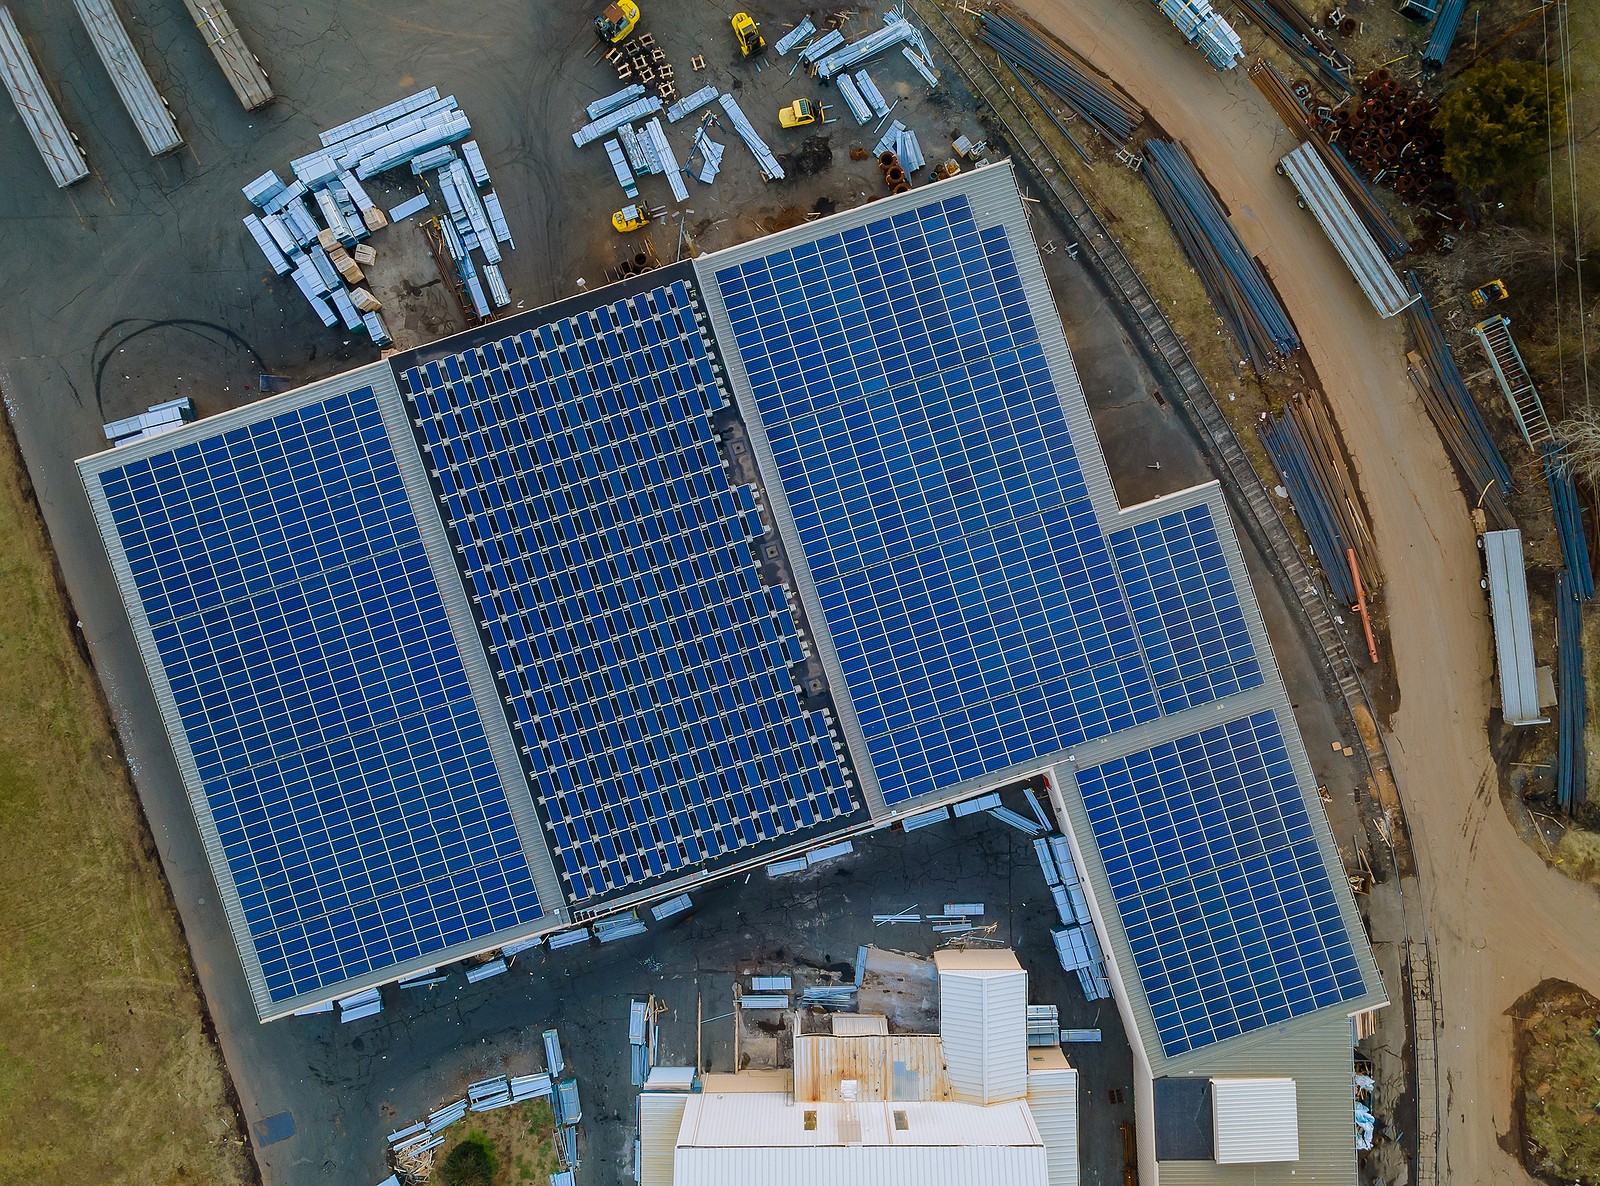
[
  {"x": 1454, "y": 412},
  {"x": 1569, "y": 520},
  {"x": 1444, "y": 33},
  {"x": 1291, "y": 454},
  {"x": 1101, "y": 105},
  {"x": 239, "y": 65},
  {"x": 1231, "y": 277},
  {"x": 1288, "y": 26},
  {"x": 128, "y": 74},
  {"x": 1312, "y": 433},
  {"x": 56, "y": 144},
  {"x": 1572, "y": 714},
  {"x": 1271, "y": 84}
]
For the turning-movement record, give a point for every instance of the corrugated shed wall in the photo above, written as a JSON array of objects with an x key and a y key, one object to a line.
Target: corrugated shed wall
[
  {"x": 983, "y": 1023},
  {"x": 660, "y": 1116},
  {"x": 1053, "y": 1100}
]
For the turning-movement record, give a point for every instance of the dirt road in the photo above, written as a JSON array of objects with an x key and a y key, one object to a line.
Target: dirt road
[{"x": 1500, "y": 920}]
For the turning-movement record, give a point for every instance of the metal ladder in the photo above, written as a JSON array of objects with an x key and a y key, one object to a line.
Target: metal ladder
[{"x": 1512, "y": 373}]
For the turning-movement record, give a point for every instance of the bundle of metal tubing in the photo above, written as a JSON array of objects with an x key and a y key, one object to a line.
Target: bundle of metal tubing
[
  {"x": 1045, "y": 107},
  {"x": 1444, "y": 33},
  {"x": 1294, "y": 114},
  {"x": 1454, "y": 412},
  {"x": 1110, "y": 113},
  {"x": 1288, "y": 26},
  {"x": 1569, "y": 520},
  {"x": 1286, "y": 446},
  {"x": 1230, "y": 275},
  {"x": 1572, "y": 761}
]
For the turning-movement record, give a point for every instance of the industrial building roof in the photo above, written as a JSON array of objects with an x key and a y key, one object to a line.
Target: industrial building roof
[{"x": 678, "y": 574}]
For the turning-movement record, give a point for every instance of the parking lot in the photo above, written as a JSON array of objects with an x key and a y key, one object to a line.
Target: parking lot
[{"x": 140, "y": 284}]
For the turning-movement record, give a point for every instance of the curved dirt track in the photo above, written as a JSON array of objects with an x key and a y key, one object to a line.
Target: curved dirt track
[{"x": 1500, "y": 920}]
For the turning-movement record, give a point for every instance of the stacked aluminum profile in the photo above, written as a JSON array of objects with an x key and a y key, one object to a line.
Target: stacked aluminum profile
[
  {"x": 770, "y": 169},
  {"x": 1205, "y": 30},
  {"x": 239, "y": 65},
  {"x": 896, "y": 32},
  {"x": 851, "y": 94},
  {"x": 56, "y": 144},
  {"x": 1355, "y": 245},
  {"x": 128, "y": 74},
  {"x": 794, "y": 36},
  {"x": 326, "y": 209}
]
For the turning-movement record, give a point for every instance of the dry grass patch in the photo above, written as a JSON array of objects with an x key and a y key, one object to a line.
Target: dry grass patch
[
  {"x": 107, "y": 1072},
  {"x": 1558, "y": 1089},
  {"x": 520, "y": 1138}
]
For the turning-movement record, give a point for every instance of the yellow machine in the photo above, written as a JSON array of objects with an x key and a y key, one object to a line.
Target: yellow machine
[
  {"x": 1488, "y": 294},
  {"x": 798, "y": 114},
  {"x": 630, "y": 218},
  {"x": 750, "y": 39},
  {"x": 617, "y": 21}
]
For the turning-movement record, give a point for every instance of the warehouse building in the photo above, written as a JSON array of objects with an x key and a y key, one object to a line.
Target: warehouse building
[
  {"x": 864, "y": 1107},
  {"x": 583, "y": 607}
]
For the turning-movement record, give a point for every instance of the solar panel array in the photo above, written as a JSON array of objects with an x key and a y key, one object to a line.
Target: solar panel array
[
  {"x": 922, "y": 446},
  {"x": 1185, "y": 608},
  {"x": 321, "y": 694},
  {"x": 1219, "y": 880},
  {"x": 646, "y": 665}
]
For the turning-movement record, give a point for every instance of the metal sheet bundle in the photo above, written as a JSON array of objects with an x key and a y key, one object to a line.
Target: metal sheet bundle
[
  {"x": 1095, "y": 100},
  {"x": 1572, "y": 759},
  {"x": 1455, "y": 413},
  {"x": 1231, "y": 277}
]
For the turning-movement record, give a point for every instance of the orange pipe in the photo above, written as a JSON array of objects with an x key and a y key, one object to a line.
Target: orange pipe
[{"x": 1361, "y": 605}]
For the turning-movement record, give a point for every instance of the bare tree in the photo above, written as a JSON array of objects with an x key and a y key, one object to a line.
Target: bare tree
[{"x": 1580, "y": 434}]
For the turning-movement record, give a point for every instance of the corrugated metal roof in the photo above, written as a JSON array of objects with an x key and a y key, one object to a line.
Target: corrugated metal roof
[
  {"x": 1513, "y": 633},
  {"x": 883, "y": 1066},
  {"x": 660, "y": 1114},
  {"x": 1255, "y": 1120},
  {"x": 1316, "y": 1052},
  {"x": 849, "y": 1024},
  {"x": 984, "y": 1026},
  {"x": 1053, "y": 1100},
  {"x": 864, "y": 1166},
  {"x": 749, "y": 1120}
]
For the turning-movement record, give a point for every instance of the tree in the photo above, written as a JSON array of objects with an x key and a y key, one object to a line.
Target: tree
[
  {"x": 471, "y": 1163},
  {"x": 1498, "y": 122}
]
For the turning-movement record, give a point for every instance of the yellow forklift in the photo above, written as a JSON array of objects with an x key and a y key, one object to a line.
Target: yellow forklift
[
  {"x": 617, "y": 21},
  {"x": 748, "y": 35},
  {"x": 798, "y": 114}
]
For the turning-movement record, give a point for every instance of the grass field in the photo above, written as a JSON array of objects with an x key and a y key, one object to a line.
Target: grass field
[
  {"x": 1559, "y": 1087},
  {"x": 521, "y": 1137},
  {"x": 107, "y": 1074}
]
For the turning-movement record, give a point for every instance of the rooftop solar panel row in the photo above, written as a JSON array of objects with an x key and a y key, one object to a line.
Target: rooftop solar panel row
[
  {"x": 645, "y": 664},
  {"x": 1185, "y": 608},
  {"x": 321, "y": 694},
  {"x": 1219, "y": 880}
]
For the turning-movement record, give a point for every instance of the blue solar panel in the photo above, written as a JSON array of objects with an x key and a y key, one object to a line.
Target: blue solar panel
[
  {"x": 1185, "y": 608},
  {"x": 1219, "y": 880},
  {"x": 645, "y": 664},
  {"x": 321, "y": 693},
  {"x": 925, "y": 455}
]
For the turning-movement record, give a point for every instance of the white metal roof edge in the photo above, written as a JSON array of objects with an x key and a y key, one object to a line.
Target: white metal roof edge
[{"x": 1513, "y": 630}]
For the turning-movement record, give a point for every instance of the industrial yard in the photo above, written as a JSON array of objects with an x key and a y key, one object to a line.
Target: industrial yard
[{"x": 357, "y": 195}]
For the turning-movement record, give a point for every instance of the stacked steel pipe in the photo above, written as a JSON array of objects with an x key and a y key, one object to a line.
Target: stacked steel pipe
[
  {"x": 1454, "y": 412},
  {"x": 1100, "y": 104},
  {"x": 1294, "y": 31},
  {"x": 1232, "y": 278},
  {"x": 1572, "y": 760},
  {"x": 1294, "y": 108},
  {"x": 1444, "y": 33},
  {"x": 1569, "y": 520},
  {"x": 1292, "y": 452}
]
